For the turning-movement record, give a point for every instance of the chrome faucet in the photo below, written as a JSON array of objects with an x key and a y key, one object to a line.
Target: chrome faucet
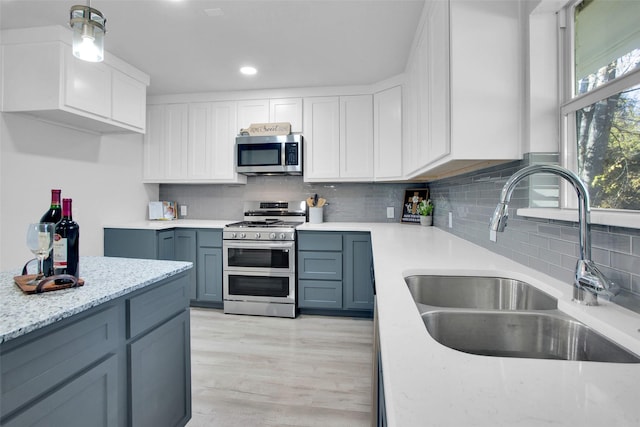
[{"x": 589, "y": 282}]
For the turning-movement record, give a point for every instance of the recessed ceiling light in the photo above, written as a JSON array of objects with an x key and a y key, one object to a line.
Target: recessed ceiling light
[{"x": 248, "y": 71}]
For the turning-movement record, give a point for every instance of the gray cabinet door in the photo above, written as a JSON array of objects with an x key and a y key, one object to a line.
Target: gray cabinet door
[
  {"x": 90, "y": 399},
  {"x": 357, "y": 281},
  {"x": 186, "y": 250},
  {"x": 166, "y": 249},
  {"x": 210, "y": 274},
  {"x": 160, "y": 375},
  {"x": 127, "y": 243}
]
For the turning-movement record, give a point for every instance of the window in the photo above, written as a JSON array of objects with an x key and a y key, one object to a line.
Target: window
[{"x": 602, "y": 108}]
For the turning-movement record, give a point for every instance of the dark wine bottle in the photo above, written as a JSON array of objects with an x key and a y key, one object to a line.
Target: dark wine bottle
[
  {"x": 66, "y": 243},
  {"x": 54, "y": 215}
]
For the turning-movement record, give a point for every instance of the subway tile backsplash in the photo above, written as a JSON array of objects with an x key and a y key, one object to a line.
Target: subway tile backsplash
[
  {"x": 549, "y": 246},
  {"x": 347, "y": 202}
]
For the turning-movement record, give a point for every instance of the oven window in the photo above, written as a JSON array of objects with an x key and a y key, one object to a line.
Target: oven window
[
  {"x": 258, "y": 258},
  {"x": 259, "y": 154},
  {"x": 263, "y": 286}
]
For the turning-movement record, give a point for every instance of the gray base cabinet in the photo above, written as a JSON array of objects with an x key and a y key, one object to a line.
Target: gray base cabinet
[
  {"x": 209, "y": 266},
  {"x": 202, "y": 247},
  {"x": 123, "y": 363},
  {"x": 334, "y": 271}
]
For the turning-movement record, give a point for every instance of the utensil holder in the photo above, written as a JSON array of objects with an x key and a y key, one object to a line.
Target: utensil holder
[{"x": 315, "y": 215}]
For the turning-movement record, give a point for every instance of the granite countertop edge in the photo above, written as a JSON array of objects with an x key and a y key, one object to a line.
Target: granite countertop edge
[{"x": 22, "y": 313}]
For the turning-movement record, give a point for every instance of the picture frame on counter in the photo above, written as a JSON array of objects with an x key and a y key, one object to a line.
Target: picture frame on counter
[{"x": 412, "y": 197}]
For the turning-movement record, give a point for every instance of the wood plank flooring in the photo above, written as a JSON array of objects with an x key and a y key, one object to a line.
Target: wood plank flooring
[{"x": 265, "y": 371}]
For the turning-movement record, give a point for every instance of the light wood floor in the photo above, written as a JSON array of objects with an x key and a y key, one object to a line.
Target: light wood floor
[{"x": 265, "y": 371}]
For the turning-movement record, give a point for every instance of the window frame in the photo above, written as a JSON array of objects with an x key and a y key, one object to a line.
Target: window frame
[{"x": 570, "y": 104}]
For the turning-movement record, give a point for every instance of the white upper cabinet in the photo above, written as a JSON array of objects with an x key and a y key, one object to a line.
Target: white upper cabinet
[
  {"x": 254, "y": 111},
  {"x": 387, "y": 135},
  {"x": 287, "y": 110},
  {"x": 356, "y": 137},
  {"x": 338, "y": 134},
  {"x": 271, "y": 111},
  {"x": 191, "y": 143},
  {"x": 41, "y": 77},
  {"x": 321, "y": 138},
  {"x": 464, "y": 79}
]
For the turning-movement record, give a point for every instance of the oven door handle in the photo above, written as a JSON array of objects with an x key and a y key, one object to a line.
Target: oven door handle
[{"x": 259, "y": 244}]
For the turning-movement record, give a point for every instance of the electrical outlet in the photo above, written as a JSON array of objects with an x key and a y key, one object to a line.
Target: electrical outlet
[
  {"x": 390, "y": 212},
  {"x": 450, "y": 219},
  {"x": 183, "y": 210}
]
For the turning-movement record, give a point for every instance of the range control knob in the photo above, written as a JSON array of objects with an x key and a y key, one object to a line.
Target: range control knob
[
  {"x": 282, "y": 236},
  {"x": 257, "y": 235},
  {"x": 233, "y": 235},
  {"x": 243, "y": 235},
  {"x": 272, "y": 236}
]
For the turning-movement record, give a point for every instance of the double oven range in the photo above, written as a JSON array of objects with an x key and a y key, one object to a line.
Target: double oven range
[{"x": 259, "y": 259}]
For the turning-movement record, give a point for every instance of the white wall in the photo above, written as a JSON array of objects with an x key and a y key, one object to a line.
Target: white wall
[{"x": 102, "y": 174}]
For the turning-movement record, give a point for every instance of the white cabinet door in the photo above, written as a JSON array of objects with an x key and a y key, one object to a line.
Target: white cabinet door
[
  {"x": 128, "y": 100},
  {"x": 437, "y": 101},
  {"x": 176, "y": 144},
  {"x": 200, "y": 152},
  {"x": 286, "y": 110},
  {"x": 154, "y": 144},
  {"x": 87, "y": 86},
  {"x": 322, "y": 138},
  {"x": 387, "y": 135},
  {"x": 356, "y": 137},
  {"x": 254, "y": 111}
]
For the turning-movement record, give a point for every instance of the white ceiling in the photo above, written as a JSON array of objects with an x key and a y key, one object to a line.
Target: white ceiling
[{"x": 293, "y": 43}]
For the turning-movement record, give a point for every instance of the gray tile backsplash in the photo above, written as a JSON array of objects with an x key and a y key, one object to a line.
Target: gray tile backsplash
[
  {"x": 347, "y": 202},
  {"x": 546, "y": 245}
]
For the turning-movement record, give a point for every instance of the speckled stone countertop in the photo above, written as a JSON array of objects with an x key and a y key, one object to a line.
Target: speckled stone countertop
[{"x": 105, "y": 279}]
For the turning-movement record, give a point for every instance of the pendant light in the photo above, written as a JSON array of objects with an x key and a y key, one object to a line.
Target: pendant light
[{"x": 88, "y": 25}]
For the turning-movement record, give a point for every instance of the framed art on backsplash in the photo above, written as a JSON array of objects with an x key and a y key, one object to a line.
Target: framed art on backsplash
[{"x": 412, "y": 197}]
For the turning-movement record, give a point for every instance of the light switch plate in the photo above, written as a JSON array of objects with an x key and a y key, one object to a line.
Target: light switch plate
[
  {"x": 450, "y": 219},
  {"x": 183, "y": 210},
  {"x": 390, "y": 212}
]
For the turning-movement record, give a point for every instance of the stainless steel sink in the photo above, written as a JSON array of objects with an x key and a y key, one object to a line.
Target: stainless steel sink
[
  {"x": 486, "y": 293},
  {"x": 539, "y": 335}
]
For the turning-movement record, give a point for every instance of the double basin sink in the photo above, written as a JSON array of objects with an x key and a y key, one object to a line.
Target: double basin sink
[{"x": 500, "y": 317}]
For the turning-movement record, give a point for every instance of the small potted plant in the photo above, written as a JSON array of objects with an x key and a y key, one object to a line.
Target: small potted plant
[{"x": 425, "y": 210}]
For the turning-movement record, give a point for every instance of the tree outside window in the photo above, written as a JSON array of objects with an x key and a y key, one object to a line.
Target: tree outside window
[{"x": 608, "y": 130}]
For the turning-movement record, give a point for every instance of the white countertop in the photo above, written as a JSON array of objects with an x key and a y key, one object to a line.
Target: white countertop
[
  {"x": 426, "y": 383},
  {"x": 105, "y": 279},
  {"x": 164, "y": 225}
]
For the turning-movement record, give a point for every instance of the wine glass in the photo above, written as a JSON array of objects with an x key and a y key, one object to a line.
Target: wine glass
[{"x": 40, "y": 242}]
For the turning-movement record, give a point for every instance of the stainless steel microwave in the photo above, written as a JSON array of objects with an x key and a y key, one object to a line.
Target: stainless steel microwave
[{"x": 269, "y": 155}]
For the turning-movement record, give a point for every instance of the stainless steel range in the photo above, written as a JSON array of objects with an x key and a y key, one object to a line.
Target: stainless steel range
[{"x": 259, "y": 258}]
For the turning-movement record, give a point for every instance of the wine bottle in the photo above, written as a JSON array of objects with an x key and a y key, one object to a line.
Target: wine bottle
[
  {"x": 53, "y": 215},
  {"x": 66, "y": 243}
]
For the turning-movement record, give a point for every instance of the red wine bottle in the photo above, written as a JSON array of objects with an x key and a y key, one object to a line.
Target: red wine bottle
[
  {"x": 53, "y": 215},
  {"x": 66, "y": 243}
]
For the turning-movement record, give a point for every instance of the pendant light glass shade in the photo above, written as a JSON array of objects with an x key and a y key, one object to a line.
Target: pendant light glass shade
[{"x": 88, "y": 25}]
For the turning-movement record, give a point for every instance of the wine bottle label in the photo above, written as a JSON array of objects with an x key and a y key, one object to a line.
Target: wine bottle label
[{"x": 59, "y": 252}]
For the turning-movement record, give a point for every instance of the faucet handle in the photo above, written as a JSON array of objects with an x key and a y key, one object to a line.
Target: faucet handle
[{"x": 589, "y": 278}]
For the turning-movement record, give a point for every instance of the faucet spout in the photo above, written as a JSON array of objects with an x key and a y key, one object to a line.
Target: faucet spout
[{"x": 589, "y": 281}]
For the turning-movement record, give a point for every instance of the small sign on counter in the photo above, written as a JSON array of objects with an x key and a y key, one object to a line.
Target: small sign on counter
[
  {"x": 412, "y": 197},
  {"x": 164, "y": 211}
]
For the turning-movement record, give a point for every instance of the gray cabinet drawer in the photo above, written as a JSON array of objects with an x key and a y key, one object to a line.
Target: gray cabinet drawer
[
  {"x": 320, "y": 265},
  {"x": 320, "y": 294},
  {"x": 150, "y": 308},
  {"x": 210, "y": 238},
  {"x": 90, "y": 399},
  {"x": 319, "y": 241},
  {"x": 30, "y": 369}
]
